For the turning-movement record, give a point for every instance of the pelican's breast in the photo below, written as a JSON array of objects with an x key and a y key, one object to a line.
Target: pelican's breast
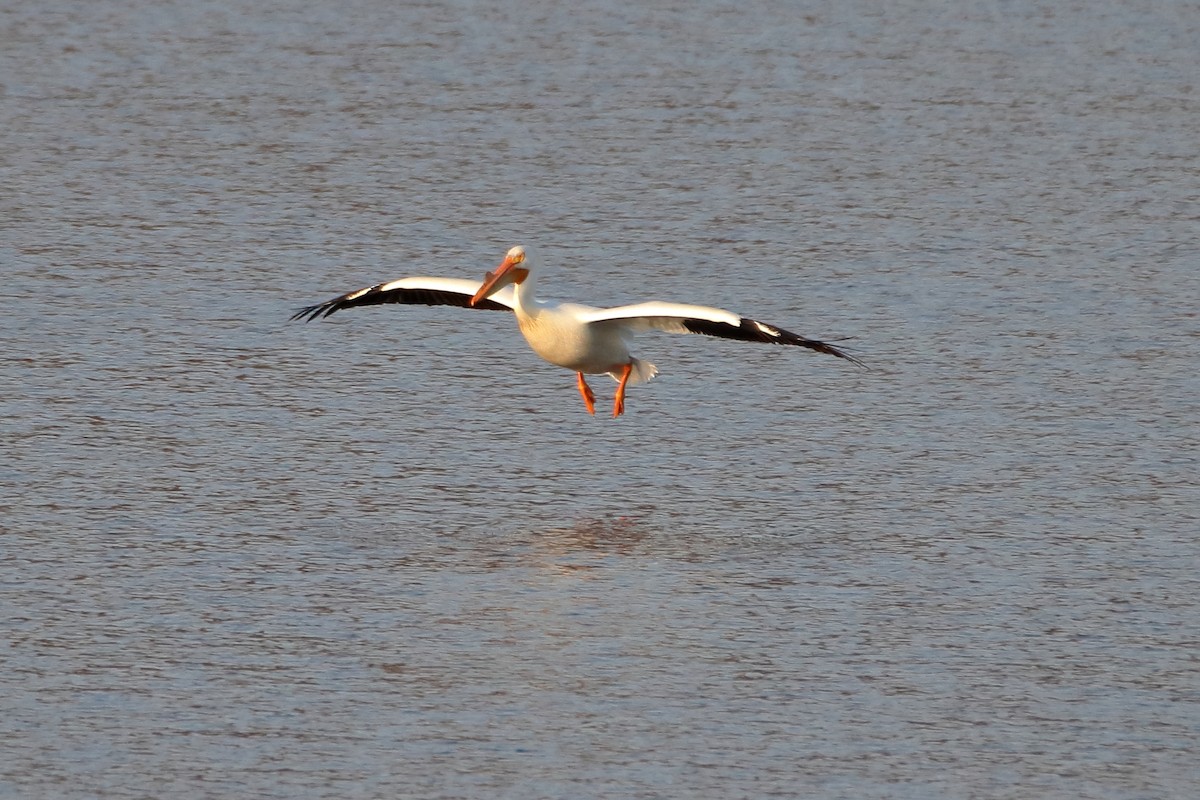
[{"x": 557, "y": 335}]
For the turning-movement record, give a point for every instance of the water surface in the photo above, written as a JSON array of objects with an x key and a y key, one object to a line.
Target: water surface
[{"x": 390, "y": 555}]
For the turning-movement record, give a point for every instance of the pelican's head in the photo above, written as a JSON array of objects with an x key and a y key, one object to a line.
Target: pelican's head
[{"x": 513, "y": 269}]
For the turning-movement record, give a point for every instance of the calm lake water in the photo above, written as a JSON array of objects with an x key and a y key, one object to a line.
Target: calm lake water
[{"x": 390, "y": 555}]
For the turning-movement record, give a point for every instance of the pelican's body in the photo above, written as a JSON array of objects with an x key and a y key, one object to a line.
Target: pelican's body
[
  {"x": 584, "y": 339},
  {"x": 559, "y": 334},
  {"x": 556, "y": 333}
]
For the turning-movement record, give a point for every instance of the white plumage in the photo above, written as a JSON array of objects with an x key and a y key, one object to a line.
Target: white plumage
[{"x": 584, "y": 339}]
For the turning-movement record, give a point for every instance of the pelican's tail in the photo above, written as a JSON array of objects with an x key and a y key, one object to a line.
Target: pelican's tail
[{"x": 642, "y": 372}]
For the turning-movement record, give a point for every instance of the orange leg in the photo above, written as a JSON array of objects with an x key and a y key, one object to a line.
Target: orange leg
[
  {"x": 585, "y": 391},
  {"x": 619, "y": 402}
]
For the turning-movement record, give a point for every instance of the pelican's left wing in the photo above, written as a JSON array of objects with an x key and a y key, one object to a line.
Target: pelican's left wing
[
  {"x": 415, "y": 291},
  {"x": 680, "y": 318}
]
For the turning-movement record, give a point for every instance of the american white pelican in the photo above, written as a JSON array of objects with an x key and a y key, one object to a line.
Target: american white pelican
[{"x": 581, "y": 338}]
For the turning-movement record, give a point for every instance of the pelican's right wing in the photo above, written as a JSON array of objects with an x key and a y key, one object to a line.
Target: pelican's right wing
[{"x": 413, "y": 291}]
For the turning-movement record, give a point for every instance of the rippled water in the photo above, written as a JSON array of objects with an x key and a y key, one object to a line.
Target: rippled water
[{"x": 391, "y": 556}]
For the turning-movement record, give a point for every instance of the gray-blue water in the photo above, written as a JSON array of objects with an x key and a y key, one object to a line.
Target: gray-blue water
[{"x": 391, "y": 556}]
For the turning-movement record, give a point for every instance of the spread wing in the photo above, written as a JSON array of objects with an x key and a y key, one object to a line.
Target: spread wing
[
  {"x": 413, "y": 291},
  {"x": 680, "y": 318}
]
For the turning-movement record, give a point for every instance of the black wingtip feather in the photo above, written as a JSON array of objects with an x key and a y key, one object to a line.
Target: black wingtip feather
[
  {"x": 307, "y": 313},
  {"x": 753, "y": 331}
]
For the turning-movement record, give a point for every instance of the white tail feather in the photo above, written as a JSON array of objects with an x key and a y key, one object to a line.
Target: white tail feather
[{"x": 642, "y": 372}]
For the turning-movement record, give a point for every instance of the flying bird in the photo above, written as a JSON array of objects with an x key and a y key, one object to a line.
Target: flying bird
[{"x": 585, "y": 339}]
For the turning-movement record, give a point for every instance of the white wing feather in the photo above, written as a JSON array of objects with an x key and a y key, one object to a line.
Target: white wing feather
[
  {"x": 661, "y": 316},
  {"x": 463, "y": 286}
]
